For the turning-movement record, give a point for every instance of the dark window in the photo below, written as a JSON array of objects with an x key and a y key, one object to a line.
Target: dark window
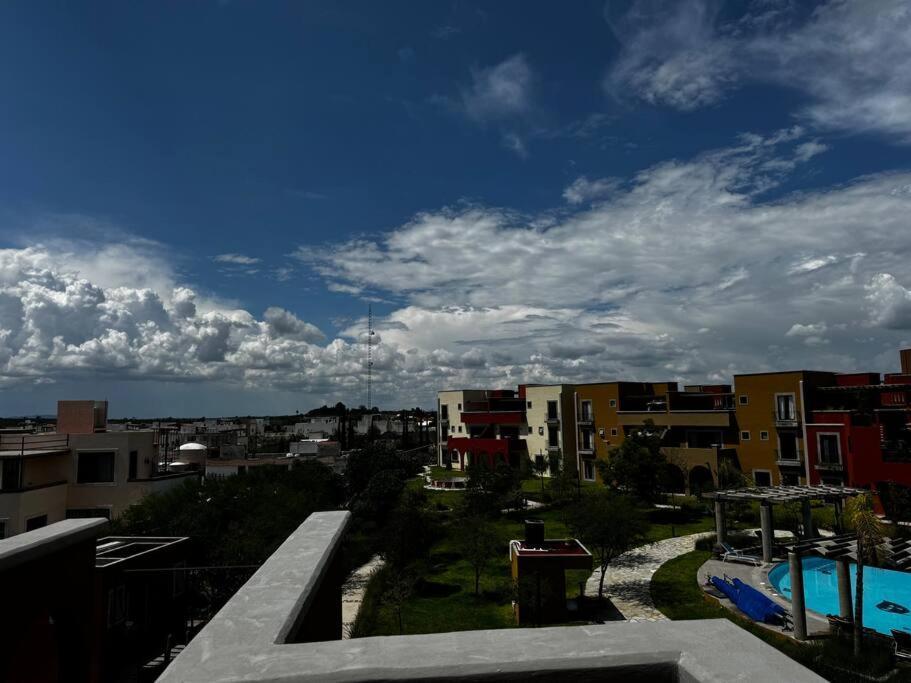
[
  {"x": 586, "y": 440},
  {"x": 586, "y": 410},
  {"x": 134, "y": 464},
  {"x": 551, "y": 410},
  {"x": 539, "y": 463},
  {"x": 94, "y": 468},
  {"x": 2, "y": 528},
  {"x": 743, "y": 399},
  {"x": 828, "y": 449},
  {"x": 613, "y": 403},
  {"x": 762, "y": 478},
  {"x": 36, "y": 522},
  {"x": 745, "y": 435},
  {"x": 588, "y": 470},
  {"x": 444, "y": 412},
  {"x": 553, "y": 438},
  {"x": 529, "y": 405},
  {"x": 9, "y": 475}
]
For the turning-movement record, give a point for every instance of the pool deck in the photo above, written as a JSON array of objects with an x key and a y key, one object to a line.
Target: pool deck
[{"x": 758, "y": 577}]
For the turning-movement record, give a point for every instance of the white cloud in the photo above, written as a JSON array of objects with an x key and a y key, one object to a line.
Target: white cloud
[
  {"x": 501, "y": 91},
  {"x": 890, "y": 302},
  {"x": 584, "y": 190},
  {"x": 236, "y": 259},
  {"x": 851, "y": 58}
]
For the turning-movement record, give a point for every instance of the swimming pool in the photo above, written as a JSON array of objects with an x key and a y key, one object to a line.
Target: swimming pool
[{"x": 884, "y": 590}]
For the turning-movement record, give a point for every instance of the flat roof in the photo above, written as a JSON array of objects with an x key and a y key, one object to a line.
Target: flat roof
[
  {"x": 33, "y": 545},
  {"x": 783, "y": 494}
]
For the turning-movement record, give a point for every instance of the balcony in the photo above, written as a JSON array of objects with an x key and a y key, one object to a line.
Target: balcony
[
  {"x": 553, "y": 449},
  {"x": 552, "y": 419},
  {"x": 285, "y": 624},
  {"x": 830, "y": 466},
  {"x": 786, "y": 419},
  {"x": 585, "y": 419},
  {"x": 788, "y": 459},
  {"x": 25, "y": 445}
]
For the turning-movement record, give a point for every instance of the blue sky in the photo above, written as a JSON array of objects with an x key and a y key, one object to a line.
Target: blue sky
[{"x": 198, "y": 201}]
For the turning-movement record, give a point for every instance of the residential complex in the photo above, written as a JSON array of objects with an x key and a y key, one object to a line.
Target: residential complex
[
  {"x": 81, "y": 470},
  {"x": 791, "y": 427}
]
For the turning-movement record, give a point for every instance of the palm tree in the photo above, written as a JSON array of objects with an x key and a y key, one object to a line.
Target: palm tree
[{"x": 861, "y": 519}]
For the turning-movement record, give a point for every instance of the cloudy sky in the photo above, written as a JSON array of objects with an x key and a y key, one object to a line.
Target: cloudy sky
[{"x": 199, "y": 200}]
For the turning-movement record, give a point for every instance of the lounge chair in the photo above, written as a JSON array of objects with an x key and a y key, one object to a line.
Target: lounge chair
[
  {"x": 734, "y": 555},
  {"x": 902, "y": 644}
]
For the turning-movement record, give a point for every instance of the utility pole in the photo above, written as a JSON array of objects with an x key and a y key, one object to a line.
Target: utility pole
[{"x": 369, "y": 357}]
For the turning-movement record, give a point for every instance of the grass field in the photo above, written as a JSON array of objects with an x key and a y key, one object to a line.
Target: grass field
[{"x": 444, "y": 598}]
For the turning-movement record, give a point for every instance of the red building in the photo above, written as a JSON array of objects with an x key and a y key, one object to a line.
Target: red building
[
  {"x": 494, "y": 426},
  {"x": 859, "y": 431}
]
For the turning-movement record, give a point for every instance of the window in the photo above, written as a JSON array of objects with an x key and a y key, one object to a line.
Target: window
[
  {"x": 613, "y": 431},
  {"x": 529, "y": 405},
  {"x": 762, "y": 477},
  {"x": 745, "y": 435},
  {"x": 553, "y": 437},
  {"x": 829, "y": 449},
  {"x": 552, "y": 410},
  {"x": 613, "y": 403},
  {"x": 588, "y": 470},
  {"x": 743, "y": 399},
  {"x": 134, "y": 464},
  {"x": 586, "y": 440},
  {"x": 444, "y": 411},
  {"x": 95, "y": 468},
  {"x": 785, "y": 409},
  {"x": 454, "y": 456},
  {"x": 452, "y": 429},
  {"x": 460, "y": 406},
  {"x": 601, "y": 433},
  {"x": 539, "y": 463},
  {"x": 540, "y": 431},
  {"x": 763, "y": 436},
  {"x": 460, "y": 429},
  {"x": 2, "y": 529},
  {"x": 586, "y": 411},
  {"x": 790, "y": 479},
  {"x": 10, "y": 475},
  {"x": 35, "y": 522}
]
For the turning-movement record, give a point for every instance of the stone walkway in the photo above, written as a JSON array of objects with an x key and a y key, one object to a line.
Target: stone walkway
[
  {"x": 353, "y": 592},
  {"x": 628, "y": 577}
]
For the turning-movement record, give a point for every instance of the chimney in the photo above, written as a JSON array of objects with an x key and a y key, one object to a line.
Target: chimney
[
  {"x": 534, "y": 533},
  {"x": 906, "y": 361}
]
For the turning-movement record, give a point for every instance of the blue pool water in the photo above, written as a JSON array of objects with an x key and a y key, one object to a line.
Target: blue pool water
[{"x": 820, "y": 585}]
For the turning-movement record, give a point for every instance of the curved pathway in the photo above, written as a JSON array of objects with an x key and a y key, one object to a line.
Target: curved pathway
[
  {"x": 353, "y": 591},
  {"x": 629, "y": 576}
]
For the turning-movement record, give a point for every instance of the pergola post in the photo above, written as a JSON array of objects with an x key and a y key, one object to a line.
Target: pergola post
[
  {"x": 768, "y": 530},
  {"x": 719, "y": 521},
  {"x": 795, "y": 567},
  {"x": 807, "y": 518},
  {"x": 839, "y": 511},
  {"x": 843, "y": 572}
]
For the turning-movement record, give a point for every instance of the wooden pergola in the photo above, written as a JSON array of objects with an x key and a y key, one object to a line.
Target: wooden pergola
[{"x": 767, "y": 496}]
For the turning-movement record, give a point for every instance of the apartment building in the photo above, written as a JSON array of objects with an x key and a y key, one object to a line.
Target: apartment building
[
  {"x": 78, "y": 471},
  {"x": 771, "y": 409},
  {"x": 551, "y": 438},
  {"x": 697, "y": 424}
]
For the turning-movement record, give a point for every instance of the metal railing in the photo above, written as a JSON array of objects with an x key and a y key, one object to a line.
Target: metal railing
[
  {"x": 24, "y": 444},
  {"x": 791, "y": 419},
  {"x": 782, "y": 460}
]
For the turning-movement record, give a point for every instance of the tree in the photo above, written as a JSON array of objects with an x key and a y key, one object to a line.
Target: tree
[
  {"x": 396, "y": 595},
  {"x": 609, "y": 524},
  {"x": 540, "y": 467},
  {"x": 862, "y": 520},
  {"x": 489, "y": 490},
  {"x": 478, "y": 543},
  {"x": 636, "y": 464}
]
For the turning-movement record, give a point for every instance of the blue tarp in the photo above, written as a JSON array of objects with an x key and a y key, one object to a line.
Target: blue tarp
[{"x": 750, "y": 601}]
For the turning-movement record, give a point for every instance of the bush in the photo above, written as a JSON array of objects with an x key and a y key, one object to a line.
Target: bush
[{"x": 734, "y": 540}]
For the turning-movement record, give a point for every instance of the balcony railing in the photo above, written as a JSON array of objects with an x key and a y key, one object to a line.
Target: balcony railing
[
  {"x": 788, "y": 458},
  {"x": 830, "y": 466},
  {"x": 585, "y": 419},
  {"x": 28, "y": 444},
  {"x": 791, "y": 419}
]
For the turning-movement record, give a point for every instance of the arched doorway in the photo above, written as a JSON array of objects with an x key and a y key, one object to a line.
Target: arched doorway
[{"x": 701, "y": 480}]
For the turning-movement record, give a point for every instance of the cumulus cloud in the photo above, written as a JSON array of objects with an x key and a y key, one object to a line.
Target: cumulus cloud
[
  {"x": 852, "y": 59},
  {"x": 584, "y": 190},
  {"x": 684, "y": 271}
]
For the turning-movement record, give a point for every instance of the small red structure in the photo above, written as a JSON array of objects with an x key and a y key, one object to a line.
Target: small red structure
[{"x": 539, "y": 570}]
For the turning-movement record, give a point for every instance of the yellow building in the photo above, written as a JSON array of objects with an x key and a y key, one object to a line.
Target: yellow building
[{"x": 770, "y": 410}]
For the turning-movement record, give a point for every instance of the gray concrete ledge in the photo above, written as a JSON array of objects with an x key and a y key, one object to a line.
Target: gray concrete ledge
[
  {"x": 245, "y": 641},
  {"x": 52, "y": 538}
]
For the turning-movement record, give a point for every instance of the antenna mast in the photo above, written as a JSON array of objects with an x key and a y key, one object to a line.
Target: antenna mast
[{"x": 369, "y": 357}]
